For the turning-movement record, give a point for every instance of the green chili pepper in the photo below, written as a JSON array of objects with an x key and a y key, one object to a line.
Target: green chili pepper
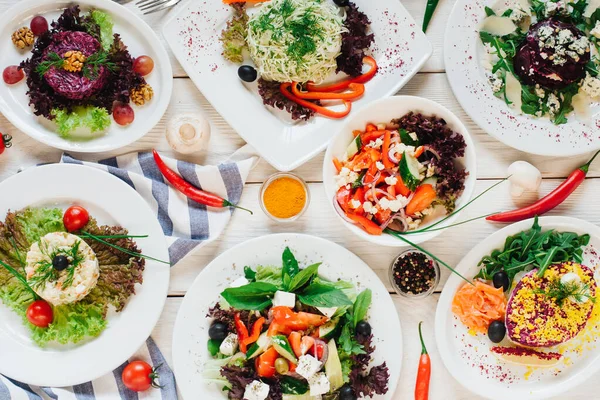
[{"x": 429, "y": 9}]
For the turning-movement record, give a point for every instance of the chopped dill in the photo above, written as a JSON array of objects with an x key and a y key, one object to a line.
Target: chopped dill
[
  {"x": 54, "y": 60},
  {"x": 95, "y": 61},
  {"x": 560, "y": 291},
  {"x": 44, "y": 270}
]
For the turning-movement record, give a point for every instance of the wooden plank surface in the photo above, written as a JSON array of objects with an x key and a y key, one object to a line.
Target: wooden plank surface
[{"x": 320, "y": 220}]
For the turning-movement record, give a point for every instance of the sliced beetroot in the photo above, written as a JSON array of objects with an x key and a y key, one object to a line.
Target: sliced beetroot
[{"x": 534, "y": 65}]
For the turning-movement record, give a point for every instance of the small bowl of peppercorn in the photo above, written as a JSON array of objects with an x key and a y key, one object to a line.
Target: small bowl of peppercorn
[{"x": 414, "y": 274}]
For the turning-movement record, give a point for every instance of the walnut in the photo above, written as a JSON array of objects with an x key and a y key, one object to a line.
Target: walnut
[
  {"x": 141, "y": 94},
  {"x": 23, "y": 37},
  {"x": 73, "y": 61}
]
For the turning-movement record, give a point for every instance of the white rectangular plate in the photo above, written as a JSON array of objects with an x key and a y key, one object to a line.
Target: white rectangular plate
[{"x": 193, "y": 33}]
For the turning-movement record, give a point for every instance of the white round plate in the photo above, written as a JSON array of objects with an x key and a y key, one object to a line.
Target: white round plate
[
  {"x": 467, "y": 357},
  {"x": 383, "y": 111},
  {"x": 191, "y": 327},
  {"x": 463, "y": 53},
  {"x": 139, "y": 38},
  {"x": 111, "y": 202}
]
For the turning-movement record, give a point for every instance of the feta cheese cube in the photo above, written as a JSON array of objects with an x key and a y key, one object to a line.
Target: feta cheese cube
[
  {"x": 375, "y": 144},
  {"x": 380, "y": 165},
  {"x": 241, "y": 281},
  {"x": 345, "y": 177},
  {"x": 369, "y": 207},
  {"x": 229, "y": 345},
  {"x": 256, "y": 390},
  {"x": 413, "y": 136},
  {"x": 285, "y": 299},
  {"x": 308, "y": 366},
  {"x": 391, "y": 180},
  {"x": 319, "y": 384},
  {"x": 355, "y": 203},
  {"x": 553, "y": 103},
  {"x": 327, "y": 311},
  {"x": 591, "y": 86}
]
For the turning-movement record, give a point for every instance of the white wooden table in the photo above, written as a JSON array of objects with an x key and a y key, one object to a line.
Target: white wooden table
[{"x": 451, "y": 246}]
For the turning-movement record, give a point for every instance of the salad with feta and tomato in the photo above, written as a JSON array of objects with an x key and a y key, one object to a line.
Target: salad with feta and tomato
[
  {"x": 399, "y": 175},
  {"x": 286, "y": 332}
]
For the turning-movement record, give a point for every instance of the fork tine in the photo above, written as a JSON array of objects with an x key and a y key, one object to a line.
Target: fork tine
[
  {"x": 153, "y": 3},
  {"x": 144, "y": 2},
  {"x": 161, "y": 6}
]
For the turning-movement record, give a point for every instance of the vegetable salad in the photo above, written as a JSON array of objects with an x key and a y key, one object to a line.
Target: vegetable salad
[
  {"x": 399, "y": 174},
  {"x": 286, "y": 331}
]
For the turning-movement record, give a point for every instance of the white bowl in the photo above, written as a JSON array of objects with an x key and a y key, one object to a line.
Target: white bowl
[{"x": 383, "y": 111}]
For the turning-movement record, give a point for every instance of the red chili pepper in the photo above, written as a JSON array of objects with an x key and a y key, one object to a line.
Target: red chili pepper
[
  {"x": 424, "y": 373},
  {"x": 334, "y": 87},
  {"x": 284, "y": 88},
  {"x": 5, "y": 142},
  {"x": 256, "y": 331},
  {"x": 241, "y": 331},
  {"x": 191, "y": 191},
  {"x": 548, "y": 202}
]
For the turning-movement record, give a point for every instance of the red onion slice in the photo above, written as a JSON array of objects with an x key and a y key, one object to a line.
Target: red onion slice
[
  {"x": 432, "y": 151},
  {"x": 341, "y": 212}
]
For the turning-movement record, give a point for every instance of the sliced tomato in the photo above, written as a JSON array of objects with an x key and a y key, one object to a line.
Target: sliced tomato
[
  {"x": 368, "y": 225},
  {"x": 295, "y": 339},
  {"x": 265, "y": 363},
  {"x": 343, "y": 198},
  {"x": 284, "y": 316},
  {"x": 308, "y": 343},
  {"x": 401, "y": 187}
]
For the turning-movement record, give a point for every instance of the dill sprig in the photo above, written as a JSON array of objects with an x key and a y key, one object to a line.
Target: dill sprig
[
  {"x": 54, "y": 60},
  {"x": 93, "y": 63},
  {"x": 560, "y": 291},
  {"x": 20, "y": 277},
  {"x": 45, "y": 271}
]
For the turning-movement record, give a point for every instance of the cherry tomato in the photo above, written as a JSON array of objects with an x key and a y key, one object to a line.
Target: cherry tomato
[
  {"x": 139, "y": 376},
  {"x": 5, "y": 142},
  {"x": 123, "y": 114},
  {"x": 13, "y": 74},
  {"x": 38, "y": 25},
  {"x": 40, "y": 314},
  {"x": 143, "y": 65},
  {"x": 75, "y": 218}
]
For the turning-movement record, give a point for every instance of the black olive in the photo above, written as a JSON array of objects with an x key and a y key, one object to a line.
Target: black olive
[
  {"x": 346, "y": 393},
  {"x": 60, "y": 262},
  {"x": 218, "y": 331},
  {"x": 341, "y": 3},
  {"x": 500, "y": 280},
  {"x": 247, "y": 73},
  {"x": 496, "y": 331},
  {"x": 363, "y": 328}
]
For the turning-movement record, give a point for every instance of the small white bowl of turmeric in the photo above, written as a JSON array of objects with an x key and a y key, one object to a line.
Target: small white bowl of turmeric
[{"x": 284, "y": 197}]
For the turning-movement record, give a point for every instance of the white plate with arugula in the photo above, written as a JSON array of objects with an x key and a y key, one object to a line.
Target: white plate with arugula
[
  {"x": 548, "y": 120},
  {"x": 318, "y": 272},
  {"x": 82, "y": 343}
]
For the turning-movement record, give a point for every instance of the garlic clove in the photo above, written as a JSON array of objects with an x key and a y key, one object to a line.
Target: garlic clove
[{"x": 523, "y": 176}]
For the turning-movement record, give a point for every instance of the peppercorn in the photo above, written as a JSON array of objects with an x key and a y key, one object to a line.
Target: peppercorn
[{"x": 414, "y": 273}]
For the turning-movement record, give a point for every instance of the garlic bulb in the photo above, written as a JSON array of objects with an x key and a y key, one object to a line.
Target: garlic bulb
[
  {"x": 523, "y": 176},
  {"x": 188, "y": 133}
]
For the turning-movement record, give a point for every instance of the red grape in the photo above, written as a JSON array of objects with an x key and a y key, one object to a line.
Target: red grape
[
  {"x": 13, "y": 74},
  {"x": 143, "y": 65},
  {"x": 123, "y": 114},
  {"x": 39, "y": 25}
]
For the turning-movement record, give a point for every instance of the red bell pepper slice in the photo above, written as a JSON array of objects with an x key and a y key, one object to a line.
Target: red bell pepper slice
[
  {"x": 364, "y": 78},
  {"x": 284, "y": 88},
  {"x": 368, "y": 225},
  {"x": 242, "y": 332},
  {"x": 256, "y": 331}
]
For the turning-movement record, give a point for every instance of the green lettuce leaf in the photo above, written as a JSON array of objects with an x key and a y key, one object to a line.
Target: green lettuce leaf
[
  {"x": 269, "y": 274},
  {"x": 96, "y": 119},
  {"x": 105, "y": 22}
]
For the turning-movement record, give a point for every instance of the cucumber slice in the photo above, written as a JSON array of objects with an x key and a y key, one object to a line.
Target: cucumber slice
[
  {"x": 409, "y": 171},
  {"x": 283, "y": 347},
  {"x": 333, "y": 367},
  {"x": 432, "y": 180},
  {"x": 330, "y": 329},
  {"x": 258, "y": 347},
  {"x": 354, "y": 147},
  {"x": 407, "y": 139}
]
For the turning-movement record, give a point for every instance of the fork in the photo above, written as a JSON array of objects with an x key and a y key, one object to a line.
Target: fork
[{"x": 150, "y": 6}]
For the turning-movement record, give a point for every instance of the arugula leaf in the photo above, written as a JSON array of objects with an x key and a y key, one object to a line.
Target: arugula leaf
[
  {"x": 361, "y": 306},
  {"x": 348, "y": 343},
  {"x": 489, "y": 12},
  {"x": 290, "y": 267},
  {"x": 253, "y": 296},
  {"x": 319, "y": 295},
  {"x": 507, "y": 13},
  {"x": 592, "y": 65},
  {"x": 249, "y": 274},
  {"x": 303, "y": 277}
]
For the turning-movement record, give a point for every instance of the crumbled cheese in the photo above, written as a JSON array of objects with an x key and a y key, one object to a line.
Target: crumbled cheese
[
  {"x": 391, "y": 180},
  {"x": 553, "y": 103},
  {"x": 413, "y": 136},
  {"x": 345, "y": 177},
  {"x": 591, "y": 86},
  {"x": 229, "y": 345},
  {"x": 256, "y": 390},
  {"x": 580, "y": 45},
  {"x": 596, "y": 31},
  {"x": 553, "y": 8},
  {"x": 545, "y": 32},
  {"x": 307, "y": 366},
  {"x": 518, "y": 15},
  {"x": 539, "y": 92},
  {"x": 380, "y": 165},
  {"x": 375, "y": 144},
  {"x": 495, "y": 81},
  {"x": 394, "y": 205},
  {"x": 369, "y": 207},
  {"x": 430, "y": 171},
  {"x": 400, "y": 148},
  {"x": 412, "y": 223},
  {"x": 285, "y": 299},
  {"x": 319, "y": 384},
  {"x": 565, "y": 36},
  {"x": 355, "y": 203}
]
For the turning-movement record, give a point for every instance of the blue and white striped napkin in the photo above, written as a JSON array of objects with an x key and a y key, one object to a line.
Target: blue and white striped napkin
[{"x": 187, "y": 226}]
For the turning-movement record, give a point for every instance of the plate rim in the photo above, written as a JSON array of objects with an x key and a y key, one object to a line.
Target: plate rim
[
  {"x": 177, "y": 327},
  {"x": 443, "y": 307},
  {"x": 68, "y": 381},
  {"x": 137, "y": 24}
]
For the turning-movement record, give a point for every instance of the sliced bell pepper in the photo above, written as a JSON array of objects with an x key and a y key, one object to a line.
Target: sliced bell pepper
[
  {"x": 343, "y": 198},
  {"x": 295, "y": 339},
  {"x": 241, "y": 331},
  {"x": 385, "y": 149},
  {"x": 401, "y": 187},
  {"x": 392, "y": 190},
  {"x": 265, "y": 363},
  {"x": 362, "y": 161},
  {"x": 284, "y": 88},
  {"x": 371, "y": 127},
  {"x": 368, "y": 225},
  {"x": 383, "y": 215},
  {"x": 370, "y": 175},
  {"x": 297, "y": 321},
  {"x": 337, "y": 164},
  {"x": 256, "y": 331},
  {"x": 419, "y": 151},
  {"x": 423, "y": 197},
  {"x": 370, "y": 136},
  {"x": 356, "y": 91},
  {"x": 364, "y": 78}
]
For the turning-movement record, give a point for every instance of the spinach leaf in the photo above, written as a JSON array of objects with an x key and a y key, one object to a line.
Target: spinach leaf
[
  {"x": 347, "y": 341},
  {"x": 361, "y": 306},
  {"x": 489, "y": 12},
  {"x": 319, "y": 295},
  {"x": 249, "y": 274},
  {"x": 507, "y": 13},
  {"x": 303, "y": 277},
  {"x": 253, "y": 296},
  {"x": 290, "y": 267},
  {"x": 407, "y": 139},
  {"x": 291, "y": 385}
]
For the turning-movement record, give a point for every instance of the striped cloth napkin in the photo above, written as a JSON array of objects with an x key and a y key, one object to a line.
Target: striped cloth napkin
[{"x": 187, "y": 226}]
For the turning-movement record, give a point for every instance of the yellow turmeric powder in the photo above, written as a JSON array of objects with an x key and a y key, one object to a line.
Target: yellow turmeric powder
[{"x": 284, "y": 197}]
